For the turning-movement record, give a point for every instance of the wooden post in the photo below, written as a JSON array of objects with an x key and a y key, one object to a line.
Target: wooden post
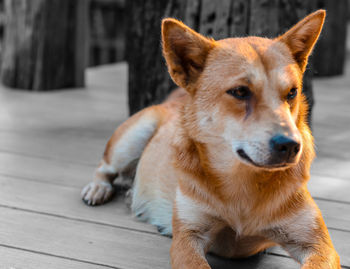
[
  {"x": 330, "y": 52},
  {"x": 148, "y": 79},
  {"x": 44, "y": 45},
  {"x": 107, "y": 31},
  {"x": 264, "y": 18}
]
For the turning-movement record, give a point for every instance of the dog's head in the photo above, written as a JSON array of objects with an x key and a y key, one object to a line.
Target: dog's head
[{"x": 245, "y": 92}]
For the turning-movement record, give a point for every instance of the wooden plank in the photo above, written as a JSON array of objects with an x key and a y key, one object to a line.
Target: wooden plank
[
  {"x": 27, "y": 119},
  {"x": 83, "y": 241},
  {"x": 331, "y": 167},
  {"x": 104, "y": 99},
  {"x": 55, "y": 145},
  {"x": 36, "y": 124},
  {"x": 37, "y": 112},
  {"x": 16, "y": 258},
  {"x": 66, "y": 202},
  {"x": 331, "y": 138},
  {"x": 102, "y": 245},
  {"x": 341, "y": 243},
  {"x": 111, "y": 78},
  {"x": 46, "y": 170},
  {"x": 331, "y": 124},
  {"x": 336, "y": 215},
  {"x": 330, "y": 188}
]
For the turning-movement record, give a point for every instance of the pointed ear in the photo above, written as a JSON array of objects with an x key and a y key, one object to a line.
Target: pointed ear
[
  {"x": 185, "y": 52},
  {"x": 302, "y": 37}
]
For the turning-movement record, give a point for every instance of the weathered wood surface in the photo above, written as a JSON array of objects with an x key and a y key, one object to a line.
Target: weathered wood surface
[
  {"x": 107, "y": 31},
  {"x": 214, "y": 18},
  {"x": 44, "y": 44},
  {"x": 47, "y": 154},
  {"x": 90, "y": 242},
  {"x": 64, "y": 201},
  {"x": 18, "y": 258},
  {"x": 149, "y": 81},
  {"x": 264, "y": 18},
  {"x": 330, "y": 53}
]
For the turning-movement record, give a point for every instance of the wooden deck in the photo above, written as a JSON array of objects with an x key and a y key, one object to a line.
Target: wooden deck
[{"x": 51, "y": 142}]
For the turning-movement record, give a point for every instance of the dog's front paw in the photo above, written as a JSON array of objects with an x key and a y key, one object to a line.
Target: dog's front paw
[{"x": 97, "y": 193}]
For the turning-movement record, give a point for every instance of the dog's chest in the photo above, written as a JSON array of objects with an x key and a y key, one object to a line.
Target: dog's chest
[
  {"x": 239, "y": 215},
  {"x": 243, "y": 219}
]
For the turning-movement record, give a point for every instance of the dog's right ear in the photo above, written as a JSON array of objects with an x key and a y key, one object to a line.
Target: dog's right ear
[
  {"x": 301, "y": 38},
  {"x": 185, "y": 52}
]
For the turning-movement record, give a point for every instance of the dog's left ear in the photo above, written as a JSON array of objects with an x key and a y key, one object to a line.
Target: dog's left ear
[
  {"x": 185, "y": 52},
  {"x": 302, "y": 37}
]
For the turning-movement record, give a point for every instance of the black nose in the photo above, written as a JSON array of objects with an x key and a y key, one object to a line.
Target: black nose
[{"x": 283, "y": 148}]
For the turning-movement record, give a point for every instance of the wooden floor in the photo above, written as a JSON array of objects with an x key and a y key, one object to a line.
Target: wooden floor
[{"x": 51, "y": 142}]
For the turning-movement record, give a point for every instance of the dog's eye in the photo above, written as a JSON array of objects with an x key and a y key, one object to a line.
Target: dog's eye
[
  {"x": 292, "y": 93},
  {"x": 241, "y": 93}
]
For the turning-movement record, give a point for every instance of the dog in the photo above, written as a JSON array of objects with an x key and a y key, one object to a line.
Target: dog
[{"x": 223, "y": 163}]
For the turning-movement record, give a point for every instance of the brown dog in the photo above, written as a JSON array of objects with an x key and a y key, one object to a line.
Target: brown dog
[{"x": 224, "y": 164}]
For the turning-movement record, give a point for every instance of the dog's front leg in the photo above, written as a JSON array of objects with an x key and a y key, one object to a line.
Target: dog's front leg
[
  {"x": 327, "y": 258},
  {"x": 306, "y": 238},
  {"x": 320, "y": 252},
  {"x": 187, "y": 251},
  {"x": 193, "y": 231}
]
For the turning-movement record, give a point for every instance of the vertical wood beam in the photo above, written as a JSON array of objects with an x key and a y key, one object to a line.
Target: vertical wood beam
[{"x": 44, "y": 45}]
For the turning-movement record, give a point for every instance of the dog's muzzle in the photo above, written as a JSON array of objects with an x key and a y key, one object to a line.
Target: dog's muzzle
[{"x": 283, "y": 152}]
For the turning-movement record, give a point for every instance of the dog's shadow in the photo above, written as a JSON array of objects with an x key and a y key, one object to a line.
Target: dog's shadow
[{"x": 259, "y": 261}]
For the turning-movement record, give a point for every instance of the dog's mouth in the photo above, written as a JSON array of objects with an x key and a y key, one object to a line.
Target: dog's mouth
[{"x": 243, "y": 155}]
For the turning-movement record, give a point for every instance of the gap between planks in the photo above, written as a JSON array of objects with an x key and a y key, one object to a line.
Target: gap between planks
[{"x": 58, "y": 258}]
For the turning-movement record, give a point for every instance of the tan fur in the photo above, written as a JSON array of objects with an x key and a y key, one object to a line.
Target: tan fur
[{"x": 190, "y": 180}]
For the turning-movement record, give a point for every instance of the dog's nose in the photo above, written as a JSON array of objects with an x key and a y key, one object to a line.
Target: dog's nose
[{"x": 283, "y": 148}]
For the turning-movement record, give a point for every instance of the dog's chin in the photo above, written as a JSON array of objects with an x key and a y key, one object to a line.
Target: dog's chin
[{"x": 244, "y": 158}]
